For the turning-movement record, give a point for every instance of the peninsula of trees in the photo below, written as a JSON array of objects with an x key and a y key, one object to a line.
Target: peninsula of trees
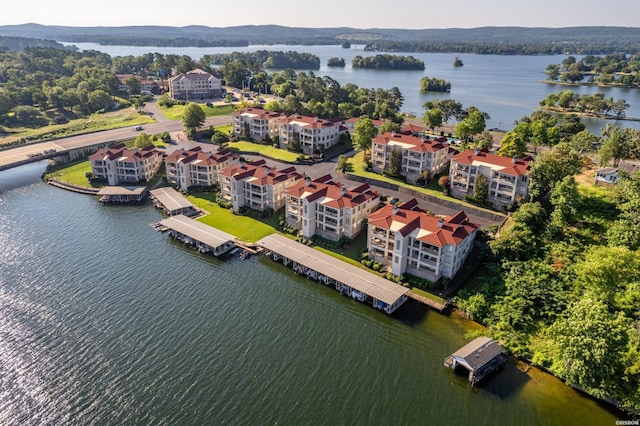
[
  {"x": 595, "y": 105},
  {"x": 610, "y": 70}
]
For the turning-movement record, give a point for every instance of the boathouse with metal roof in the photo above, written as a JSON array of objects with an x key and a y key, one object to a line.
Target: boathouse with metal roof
[
  {"x": 173, "y": 202},
  {"x": 479, "y": 357},
  {"x": 346, "y": 278},
  {"x": 205, "y": 238},
  {"x": 122, "y": 194}
]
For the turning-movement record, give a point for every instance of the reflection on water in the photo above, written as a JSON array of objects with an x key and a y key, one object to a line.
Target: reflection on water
[{"x": 106, "y": 321}]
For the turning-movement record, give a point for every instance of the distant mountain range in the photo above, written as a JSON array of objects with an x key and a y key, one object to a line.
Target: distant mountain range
[{"x": 197, "y": 35}]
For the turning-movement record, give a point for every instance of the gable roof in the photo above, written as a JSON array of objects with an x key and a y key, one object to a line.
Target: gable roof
[
  {"x": 332, "y": 194},
  {"x": 511, "y": 166},
  {"x": 197, "y": 156},
  {"x": 479, "y": 352},
  {"x": 411, "y": 143},
  {"x": 407, "y": 219},
  {"x": 308, "y": 121},
  {"x": 120, "y": 152},
  {"x": 259, "y": 173}
]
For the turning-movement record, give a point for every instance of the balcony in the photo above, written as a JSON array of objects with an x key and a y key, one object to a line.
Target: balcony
[{"x": 461, "y": 168}]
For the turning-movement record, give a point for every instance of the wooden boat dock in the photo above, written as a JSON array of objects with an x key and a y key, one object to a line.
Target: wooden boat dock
[{"x": 429, "y": 302}]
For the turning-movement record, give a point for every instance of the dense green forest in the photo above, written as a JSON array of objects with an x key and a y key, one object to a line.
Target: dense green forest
[
  {"x": 73, "y": 84},
  {"x": 21, "y": 43},
  {"x": 388, "y": 62},
  {"x": 268, "y": 59},
  {"x": 560, "y": 284}
]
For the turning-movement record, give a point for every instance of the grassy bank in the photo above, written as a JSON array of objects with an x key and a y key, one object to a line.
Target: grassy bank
[
  {"x": 74, "y": 174},
  {"x": 94, "y": 123}
]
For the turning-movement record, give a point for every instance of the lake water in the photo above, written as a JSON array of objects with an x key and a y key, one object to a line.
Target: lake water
[
  {"x": 506, "y": 87},
  {"x": 104, "y": 321}
]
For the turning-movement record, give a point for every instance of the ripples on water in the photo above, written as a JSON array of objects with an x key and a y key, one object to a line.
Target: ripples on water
[{"x": 105, "y": 321}]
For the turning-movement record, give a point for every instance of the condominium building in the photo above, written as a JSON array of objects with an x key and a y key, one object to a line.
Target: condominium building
[
  {"x": 408, "y": 240},
  {"x": 195, "y": 167},
  {"x": 118, "y": 164},
  {"x": 310, "y": 133},
  {"x": 418, "y": 154},
  {"x": 194, "y": 85},
  {"x": 328, "y": 209},
  {"x": 256, "y": 185},
  {"x": 256, "y": 123},
  {"x": 508, "y": 180}
]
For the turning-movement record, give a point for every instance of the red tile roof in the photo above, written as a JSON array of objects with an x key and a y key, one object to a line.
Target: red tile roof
[
  {"x": 511, "y": 166},
  {"x": 260, "y": 173},
  {"x": 453, "y": 230},
  {"x": 310, "y": 121},
  {"x": 122, "y": 153},
  {"x": 334, "y": 193},
  {"x": 416, "y": 143},
  {"x": 206, "y": 158}
]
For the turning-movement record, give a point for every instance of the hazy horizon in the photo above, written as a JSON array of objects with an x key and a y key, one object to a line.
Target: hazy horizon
[{"x": 332, "y": 13}]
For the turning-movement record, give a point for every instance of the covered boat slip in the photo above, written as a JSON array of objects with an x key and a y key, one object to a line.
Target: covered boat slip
[
  {"x": 204, "y": 237},
  {"x": 173, "y": 202},
  {"x": 348, "y": 279},
  {"x": 479, "y": 357},
  {"x": 122, "y": 194}
]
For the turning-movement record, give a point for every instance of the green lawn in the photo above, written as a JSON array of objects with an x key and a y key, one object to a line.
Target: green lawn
[
  {"x": 95, "y": 122},
  {"x": 356, "y": 167},
  {"x": 74, "y": 174},
  {"x": 428, "y": 295},
  {"x": 267, "y": 150},
  {"x": 175, "y": 112},
  {"x": 243, "y": 227}
]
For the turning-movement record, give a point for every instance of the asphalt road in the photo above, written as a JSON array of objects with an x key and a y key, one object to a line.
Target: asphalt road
[{"x": 21, "y": 154}]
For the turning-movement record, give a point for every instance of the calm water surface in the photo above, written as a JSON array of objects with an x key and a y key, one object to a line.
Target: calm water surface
[
  {"x": 105, "y": 321},
  {"x": 507, "y": 87}
]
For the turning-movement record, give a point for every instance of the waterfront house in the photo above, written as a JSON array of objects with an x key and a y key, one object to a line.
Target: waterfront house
[
  {"x": 408, "y": 240},
  {"x": 194, "y": 85},
  {"x": 119, "y": 164},
  {"x": 508, "y": 179},
  {"x": 256, "y": 185},
  {"x": 419, "y": 153},
  {"x": 328, "y": 209},
  {"x": 308, "y": 133},
  {"x": 195, "y": 167},
  {"x": 255, "y": 123},
  {"x": 611, "y": 175}
]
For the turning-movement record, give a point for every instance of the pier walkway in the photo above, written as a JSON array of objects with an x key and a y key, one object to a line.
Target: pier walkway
[{"x": 426, "y": 301}]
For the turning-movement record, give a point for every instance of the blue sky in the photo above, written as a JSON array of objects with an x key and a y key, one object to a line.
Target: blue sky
[{"x": 327, "y": 13}]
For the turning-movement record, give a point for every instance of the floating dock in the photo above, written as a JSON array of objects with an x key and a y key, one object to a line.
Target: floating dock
[
  {"x": 479, "y": 357},
  {"x": 346, "y": 278}
]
